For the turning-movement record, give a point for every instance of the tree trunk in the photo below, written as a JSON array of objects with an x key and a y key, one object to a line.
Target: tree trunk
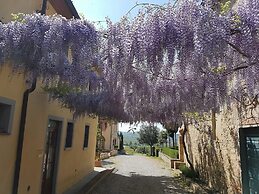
[
  {"x": 185, "y": 149},
  {"x": 173, "y": 140}
]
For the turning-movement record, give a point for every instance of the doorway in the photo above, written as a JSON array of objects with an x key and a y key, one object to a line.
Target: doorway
[
  {"x": 249, "y": 153},
  {"x": 50, "y": 157}
]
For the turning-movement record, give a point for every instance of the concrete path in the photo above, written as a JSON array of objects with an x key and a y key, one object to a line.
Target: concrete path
[{"x": 138, "y": 174}]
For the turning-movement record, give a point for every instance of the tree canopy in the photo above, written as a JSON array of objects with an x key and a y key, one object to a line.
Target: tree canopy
[
  {"x": 148, "y": 134},
  {"x": 169, "y": 60}
]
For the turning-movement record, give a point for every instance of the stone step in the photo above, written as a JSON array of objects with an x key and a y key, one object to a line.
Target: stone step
[{"x": 177, "y": 164}]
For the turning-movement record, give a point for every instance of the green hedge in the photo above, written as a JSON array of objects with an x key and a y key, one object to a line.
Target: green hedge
[{"x": 173, "y": 153}]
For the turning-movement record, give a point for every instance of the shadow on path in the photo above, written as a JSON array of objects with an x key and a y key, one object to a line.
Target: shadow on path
[
  {"x": 106, "y": 162},
  {"x": 138, "y": 184}
]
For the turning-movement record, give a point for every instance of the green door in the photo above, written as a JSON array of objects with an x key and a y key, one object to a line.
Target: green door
[{"x": 249, "y": 152}]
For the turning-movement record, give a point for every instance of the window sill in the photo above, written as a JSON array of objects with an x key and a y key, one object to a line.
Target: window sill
[{"x": 5, "y": 133}]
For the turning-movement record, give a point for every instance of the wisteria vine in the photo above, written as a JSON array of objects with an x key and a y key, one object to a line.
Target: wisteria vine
[{"x": 165, "y": 62}]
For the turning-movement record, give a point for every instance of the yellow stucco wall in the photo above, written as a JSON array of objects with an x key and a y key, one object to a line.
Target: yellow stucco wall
[
  {"x": 218, "y": 159},
  {"x": 21, "y": 6},
  {"x": 11, "y": 87},
  {"x": 74, "y": 163}
]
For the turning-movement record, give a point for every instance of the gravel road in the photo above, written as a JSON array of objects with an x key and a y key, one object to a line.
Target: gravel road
[{"x": 138, "y": 174}]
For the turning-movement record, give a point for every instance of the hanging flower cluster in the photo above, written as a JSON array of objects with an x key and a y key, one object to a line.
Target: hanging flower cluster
[
  {"x": 165, "y": 62},
  {"x": 188, "y": 58},
  {"x": 51, "y": 47}
]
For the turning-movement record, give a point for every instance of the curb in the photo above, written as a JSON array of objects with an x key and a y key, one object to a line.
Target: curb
[{"x": 95, "y": 181}]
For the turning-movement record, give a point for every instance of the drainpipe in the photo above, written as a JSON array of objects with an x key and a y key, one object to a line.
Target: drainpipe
[
  {"x": 43, "y": 7},
  {"x": 21, "y": 137},
  {"x": 23, "y": 122}
]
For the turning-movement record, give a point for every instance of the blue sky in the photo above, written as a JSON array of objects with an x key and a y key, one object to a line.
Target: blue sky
[{"x": 97, "y": 10}]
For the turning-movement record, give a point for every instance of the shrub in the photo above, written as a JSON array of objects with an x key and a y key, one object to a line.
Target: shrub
[
  {"x": 143, "y": 150},
  {"x": 188, "y": 172},
  {"x": 128, "y": 150}
]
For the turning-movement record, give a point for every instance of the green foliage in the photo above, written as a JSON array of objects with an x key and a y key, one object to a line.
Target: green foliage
[
  {"x": 225, "y": 7},
  {"x": 162, "y": 137},
  {"x": 220, "y": 69},
  {"x": 133, "y": 146},
  {"x": 128, "y": 150},
  {"x": 148, "y": 135},
  {"x": 19, "y": 17},
  {"x": 61, "y": 89},
  {"x": 143, "y": 149},
  {"x": 173, "y": 153},
  {"x": 171, "y": 128},
  {"x": 188, "y": 172},
  {"x": 99, "y": 140}
]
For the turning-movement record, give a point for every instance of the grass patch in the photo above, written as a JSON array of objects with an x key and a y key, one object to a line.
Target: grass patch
[
  {"x": 173, "y": 153},
  {"x": 129, "y": 150}
]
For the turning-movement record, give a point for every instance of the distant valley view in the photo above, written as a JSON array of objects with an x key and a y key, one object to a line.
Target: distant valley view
[{"x": 130, "y": 137}]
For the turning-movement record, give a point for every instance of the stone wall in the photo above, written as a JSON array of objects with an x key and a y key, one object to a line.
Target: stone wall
[
  {"x": 214, "y": 150},
  {"x": 167, "y": 159}
]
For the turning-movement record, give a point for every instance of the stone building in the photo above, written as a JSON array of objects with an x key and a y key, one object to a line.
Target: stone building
[{"x": 225, "y": 148}]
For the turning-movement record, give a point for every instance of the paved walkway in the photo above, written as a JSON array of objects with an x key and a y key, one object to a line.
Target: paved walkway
[{"x": 137, "y": 174}]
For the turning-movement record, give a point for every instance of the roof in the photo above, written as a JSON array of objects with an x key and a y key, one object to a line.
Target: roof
[{"x": 65, "y": 8}]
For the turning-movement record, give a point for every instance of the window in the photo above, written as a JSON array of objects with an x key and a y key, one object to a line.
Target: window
[
  {"x": 6, "y": 115},
  {"x": 86, "y": 136},
  {"x": 69, "y": 137}
]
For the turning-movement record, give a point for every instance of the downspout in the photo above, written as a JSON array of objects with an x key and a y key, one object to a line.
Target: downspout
[
  {"x": 23, "y": 122},
  {"x": 43, "y": 7},
  {"x": 21, "y": 137}
]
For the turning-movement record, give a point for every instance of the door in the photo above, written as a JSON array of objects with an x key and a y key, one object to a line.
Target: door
[
  {"x": 50, "y": 157},
  {"x": 249, "y": 152}
]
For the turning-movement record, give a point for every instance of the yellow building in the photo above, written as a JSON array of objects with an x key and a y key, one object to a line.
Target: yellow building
[{"x": 46, "y": 151}]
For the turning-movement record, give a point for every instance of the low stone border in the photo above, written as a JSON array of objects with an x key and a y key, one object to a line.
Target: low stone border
[
  {"x": 170, "y": 161},
  {"x": 106, "y": 155}
]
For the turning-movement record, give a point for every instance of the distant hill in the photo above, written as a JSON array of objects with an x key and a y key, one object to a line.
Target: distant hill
[{"x": 130, "y": 137}]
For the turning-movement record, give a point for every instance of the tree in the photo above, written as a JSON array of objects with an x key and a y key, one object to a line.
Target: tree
[
  {"x": 121, "y": 142},
  {"x": 162, "y": 138},
  {"x": 148, "y": 134},
  {"x": 171, "y": 128}
]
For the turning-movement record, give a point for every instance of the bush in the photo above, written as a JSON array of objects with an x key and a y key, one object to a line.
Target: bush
[
  {"x": 128, "y": 150},
  {"x": 143, "y": 150},
  {"x": 188, "y": 172}
]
